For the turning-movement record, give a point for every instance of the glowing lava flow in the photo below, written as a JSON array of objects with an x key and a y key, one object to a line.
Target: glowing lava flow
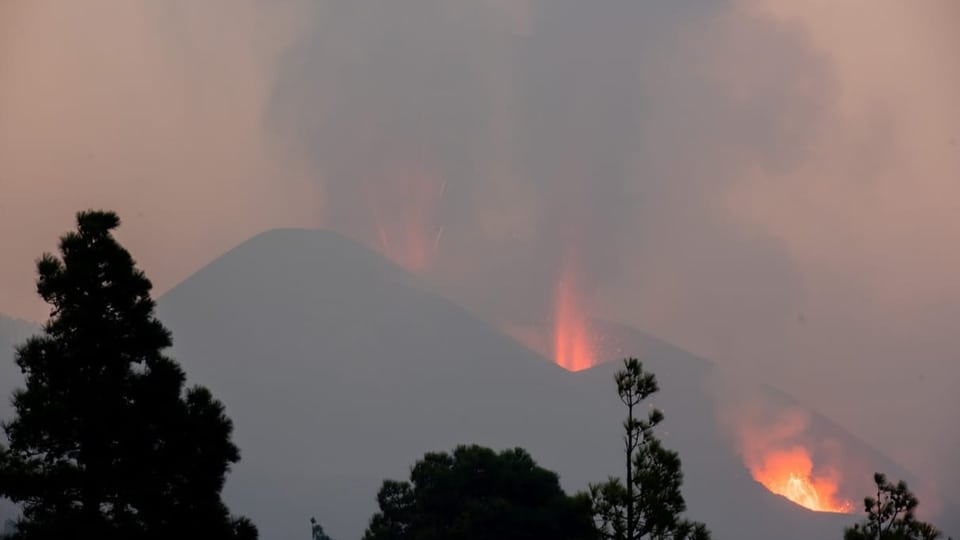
[
  {"x": 790, "y": 473},
  {"x": 574, "y": 347}
]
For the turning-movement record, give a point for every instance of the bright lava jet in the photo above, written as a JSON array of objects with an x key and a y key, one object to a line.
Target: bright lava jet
[
  {"x": 574, "y": 346},
  {"x": 790, "y": 473}
]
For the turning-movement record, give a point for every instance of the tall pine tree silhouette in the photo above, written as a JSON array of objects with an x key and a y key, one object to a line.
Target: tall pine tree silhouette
[
  {"x": 650, "y": 504},
  {"x": 106, "y": 442}
]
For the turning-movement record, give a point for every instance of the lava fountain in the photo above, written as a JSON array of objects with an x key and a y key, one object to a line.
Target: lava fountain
[
  {"x": 789, "y": 473},
  {"x": 574, "y": 345},
  {"x": 784, "y": 456}
]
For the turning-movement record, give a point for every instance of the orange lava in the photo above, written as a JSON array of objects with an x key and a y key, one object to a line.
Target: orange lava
[
  {"x": 790, "y": 473},
  {"x": 404, "y": 212},
  {"x": 574, "y": 346}
]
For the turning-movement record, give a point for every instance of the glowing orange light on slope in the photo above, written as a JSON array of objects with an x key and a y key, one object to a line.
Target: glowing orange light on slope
[
  {"x": 574, "y": 346},
  {"x": 531, "y": 337},
  {"x": 404, "y": 212},
  {"x": 790, "y": 473}
]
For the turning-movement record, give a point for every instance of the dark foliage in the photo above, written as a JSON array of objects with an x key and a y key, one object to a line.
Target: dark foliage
[
  {"x": 106, "y": 443},
  {"x": 316, "y": 531},
  {"x": 478, "y": 494},
  {"x": 890, "y": 515}
]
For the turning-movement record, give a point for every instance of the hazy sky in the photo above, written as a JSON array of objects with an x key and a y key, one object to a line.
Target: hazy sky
[{"x": 773, "y": 186}]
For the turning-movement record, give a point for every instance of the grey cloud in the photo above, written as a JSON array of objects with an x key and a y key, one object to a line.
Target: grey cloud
[
  {"x": 593, "y": 129},
  {"x": 616, "y": 135}
]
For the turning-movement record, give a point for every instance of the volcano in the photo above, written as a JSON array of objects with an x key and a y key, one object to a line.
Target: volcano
[{"x": 340, "y": 369}]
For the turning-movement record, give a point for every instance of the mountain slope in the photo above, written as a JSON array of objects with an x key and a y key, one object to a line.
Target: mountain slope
[
  {"x": 339, "y": 370},
  {"x": 696, "y": 396}
]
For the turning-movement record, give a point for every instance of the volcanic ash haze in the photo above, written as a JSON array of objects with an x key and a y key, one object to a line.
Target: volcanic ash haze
[{"x": 771, "y": 185}]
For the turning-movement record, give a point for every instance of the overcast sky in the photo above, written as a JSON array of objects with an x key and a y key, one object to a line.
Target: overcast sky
[{"x": 775, "y": 187}]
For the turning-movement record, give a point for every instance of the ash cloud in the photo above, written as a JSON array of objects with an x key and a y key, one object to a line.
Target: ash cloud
[
  {"x": 723, "y": 175},
  {"x": 603, "y": 137},
  {"x": 589, "y": 134}
]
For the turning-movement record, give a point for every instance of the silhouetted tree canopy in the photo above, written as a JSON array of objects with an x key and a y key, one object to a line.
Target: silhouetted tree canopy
[
  {"x": 106, "y": 443},
  {"x": 890, "y": 515},
  {"x": 649, "y": 504},
  {"x": 478, "y": 494},
  {"x": 316, "y": 531}
]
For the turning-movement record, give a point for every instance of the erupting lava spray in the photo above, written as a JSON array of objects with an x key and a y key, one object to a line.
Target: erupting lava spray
[
  {"x": 404, "y": 209},
  {"x": 789, "y": 472},
  {"x": 781, "y": 456},
  {"x": 574, "y": 345}
]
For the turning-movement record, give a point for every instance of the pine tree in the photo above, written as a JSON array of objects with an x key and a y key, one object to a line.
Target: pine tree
[
  {"x": 649, "y": 504},
  {"x": 106, "y": 443},
  {"x": 890, "y": 515}
]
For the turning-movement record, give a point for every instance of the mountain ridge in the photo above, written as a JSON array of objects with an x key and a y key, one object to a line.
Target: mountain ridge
[
  {"x": 321, "y": 350},
  {"x": 340, "y": 368}
]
